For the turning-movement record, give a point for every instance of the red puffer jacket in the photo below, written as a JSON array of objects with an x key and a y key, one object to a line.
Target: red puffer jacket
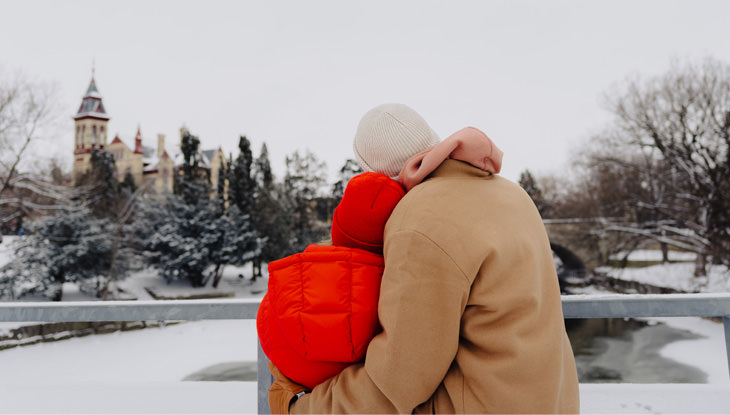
[{"x": 320, "y": 311}]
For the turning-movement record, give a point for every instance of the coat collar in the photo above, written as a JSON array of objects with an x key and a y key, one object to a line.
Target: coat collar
[{"x": 456, "y": 168}]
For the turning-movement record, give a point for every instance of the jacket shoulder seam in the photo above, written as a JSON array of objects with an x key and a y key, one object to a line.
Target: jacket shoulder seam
[{"x": 440, "y": 248}]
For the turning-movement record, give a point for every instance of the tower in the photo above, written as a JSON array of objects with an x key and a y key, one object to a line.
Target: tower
[{"x": 90, "y": 127}]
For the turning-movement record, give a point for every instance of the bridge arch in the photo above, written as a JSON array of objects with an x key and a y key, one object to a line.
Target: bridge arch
[
  {"x": 570, "y": 267},
  {"x": 568, "y": 259}
]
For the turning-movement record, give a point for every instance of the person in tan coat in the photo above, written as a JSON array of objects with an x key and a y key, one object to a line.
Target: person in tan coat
[{"x": 469, "y": 301}]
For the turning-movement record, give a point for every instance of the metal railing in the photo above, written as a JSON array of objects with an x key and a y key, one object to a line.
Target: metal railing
[{"x": 574, "y": 306}]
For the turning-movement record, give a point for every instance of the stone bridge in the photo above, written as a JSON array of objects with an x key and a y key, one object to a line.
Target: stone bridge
[{"x": 578, "y": 251}]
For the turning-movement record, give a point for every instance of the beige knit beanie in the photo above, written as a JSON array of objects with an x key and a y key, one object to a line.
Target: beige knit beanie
[{"x": 388, "y": 135}]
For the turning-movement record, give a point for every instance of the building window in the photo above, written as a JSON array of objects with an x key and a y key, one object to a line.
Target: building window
[{"x": 93, "y": 136}]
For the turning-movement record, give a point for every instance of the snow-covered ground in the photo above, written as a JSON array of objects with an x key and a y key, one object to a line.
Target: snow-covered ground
[
  {"x": 678, "y": 275},
  {"x": 655, "y": 255},
  {"x": 142, "y": 371},
  {"x": 131, "y": 372}
]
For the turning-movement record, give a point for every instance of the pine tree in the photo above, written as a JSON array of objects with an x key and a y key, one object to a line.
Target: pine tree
[
  {"x": 262, "y": 168},
  {"x": 302, "y": 184},
  {"x": 127, "y": 186},
  {"x": 242, "y": 186},
  {"x": 272, "y": 213},
  {"x": 71, "y": 246},
  {"x": 529, "y": 184},
  {"x": 241, "y": 215},
  {"x": 194, "y": 242},
  {"x": 104, "y": 196},
  {"x": 195, "y": 237},
  {"x": 241, "y": 243},
  {"x": 180, "y": 237},
  {"x": 348, "y": 170},
  {"x": 224, "y": 172},
  {"x": 194, "y": 184}
]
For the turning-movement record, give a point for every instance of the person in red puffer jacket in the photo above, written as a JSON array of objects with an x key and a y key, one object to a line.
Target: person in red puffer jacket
[{"x": 320, "y": 311}]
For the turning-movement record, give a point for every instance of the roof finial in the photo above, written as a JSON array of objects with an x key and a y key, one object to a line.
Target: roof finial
[{"x": 93, "y": 67}]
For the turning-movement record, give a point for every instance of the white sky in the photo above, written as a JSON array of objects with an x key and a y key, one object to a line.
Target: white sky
[{"x": 300, "y": 74}]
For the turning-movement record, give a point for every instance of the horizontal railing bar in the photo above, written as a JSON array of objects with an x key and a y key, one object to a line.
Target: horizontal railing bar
[
  {"x": 646, "y": 305},
  {"x": 574, "y": 306},
  {"x": 222, "y": 309}
]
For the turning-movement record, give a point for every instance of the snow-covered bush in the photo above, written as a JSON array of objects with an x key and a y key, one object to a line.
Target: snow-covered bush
[
  {"x": 71, "y": 246},
  {"x": 193, "y": 242}
]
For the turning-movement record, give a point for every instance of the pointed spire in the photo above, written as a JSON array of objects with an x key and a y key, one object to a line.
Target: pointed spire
[
  {"x": 92, "y": 91},
  {"x": 91, "y": 104},
  {"x": 138, "y": 141}
]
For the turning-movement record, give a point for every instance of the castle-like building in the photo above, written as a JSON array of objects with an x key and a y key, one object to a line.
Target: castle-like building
[{"x": 145, "y": 164}]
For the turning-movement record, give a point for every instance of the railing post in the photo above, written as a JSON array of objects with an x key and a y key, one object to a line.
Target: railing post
[
  {"x": 726, "y": 322},
  {"x": 264, "y": 380}
]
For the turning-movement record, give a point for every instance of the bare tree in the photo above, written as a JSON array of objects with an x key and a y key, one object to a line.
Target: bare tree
[
  {"x": 27, "y": 113},
  {"x": 678, "y": 126}
]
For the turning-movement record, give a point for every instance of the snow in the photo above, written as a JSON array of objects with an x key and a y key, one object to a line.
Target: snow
[
  {"x": 626, "y": 398},
  {"x": 654, "y": 255},
  {"x": 125, "y": 397},
  {"x": 131, "y": 372},
  {"x": 142, "y": 371},
  {"x": 707, "y": 353},
  {"x": 5, "y": 249},
  {"x": 675, "y": 275},
  {"x": 157, "y": 354}
]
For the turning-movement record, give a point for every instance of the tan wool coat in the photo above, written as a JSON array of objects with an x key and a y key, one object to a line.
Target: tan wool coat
[{"x": 469, "y": 305}]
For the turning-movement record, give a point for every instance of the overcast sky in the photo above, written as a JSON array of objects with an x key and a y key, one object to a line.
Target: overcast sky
[{"x": 299, "y": 74}]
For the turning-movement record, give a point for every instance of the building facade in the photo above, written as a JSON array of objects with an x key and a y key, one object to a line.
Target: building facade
[{"x": 145, "y": 164}]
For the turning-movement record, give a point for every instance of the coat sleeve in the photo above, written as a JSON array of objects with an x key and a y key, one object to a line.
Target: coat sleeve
[{"x": 422, "y": 298}]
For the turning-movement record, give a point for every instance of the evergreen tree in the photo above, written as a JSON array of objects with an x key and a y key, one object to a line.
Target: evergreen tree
[
  {"x": 104, "y": 195},
  {"x": 195, "y": 242},
  {"x": 194, "y": 184},
  {"x": 529, "y": 184},
  {"x": 262, "y": 168},
  {"x": 302, "y": 184},
  {"x": 241, "y": 243},
  {"x": 127, "y": 186},
  {"x": 242, "y": 186},
  {"x": 180, "y": 242},
  {"x": 196, "y": 237},
  {"x": 71, "y": 246},
  {"x": 223, "y": 180},
  {"x": 272, "y": 223},
  {"x": 241, "y": 209},
  {"x": 349, "y": 170}
]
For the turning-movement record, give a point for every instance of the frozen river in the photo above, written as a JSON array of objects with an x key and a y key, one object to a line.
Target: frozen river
[{"x": 144, "y": 371}]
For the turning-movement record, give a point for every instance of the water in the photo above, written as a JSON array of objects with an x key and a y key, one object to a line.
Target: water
[
  {"x": 606, "y": 351},
  {"x": 627, "y": 351},
  {"x": 226, "y": 372}
]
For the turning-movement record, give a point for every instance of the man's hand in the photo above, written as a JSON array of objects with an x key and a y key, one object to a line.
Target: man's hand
[{"x": 282, "y": 391}]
